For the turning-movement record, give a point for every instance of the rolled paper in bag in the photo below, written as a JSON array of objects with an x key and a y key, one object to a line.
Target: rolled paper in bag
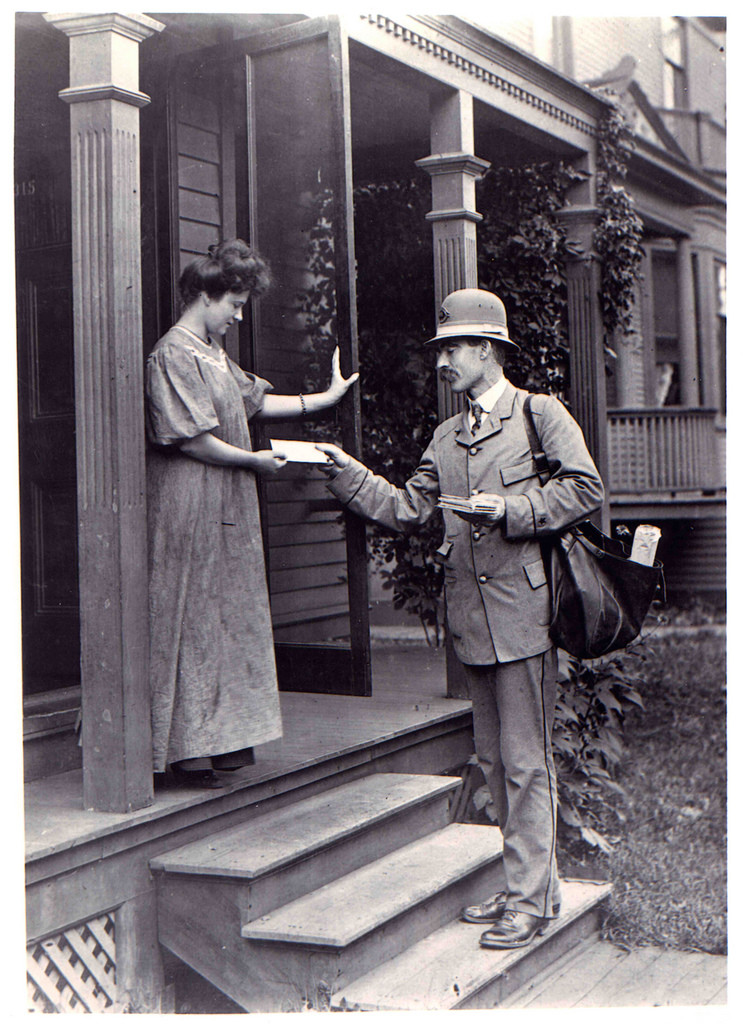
[{"x": 645, "y": 544}]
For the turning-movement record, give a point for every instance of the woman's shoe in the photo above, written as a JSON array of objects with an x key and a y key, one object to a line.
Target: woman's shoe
[
  {"x": 201, "y": 778},
  {"x": 234, "y": 759}
]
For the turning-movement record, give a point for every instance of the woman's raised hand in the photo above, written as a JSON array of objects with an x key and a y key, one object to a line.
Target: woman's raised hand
[
  {"x": 266, "y": 462},
  {"x": 339, "y": 384},
  {"x": 335, "y": 454}
]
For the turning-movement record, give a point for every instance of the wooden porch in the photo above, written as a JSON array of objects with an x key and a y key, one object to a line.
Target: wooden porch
[
  {"x": 94, "y": 870},
  {"x": 90, "y": 870},
  {"x": 665, "y": 454}
]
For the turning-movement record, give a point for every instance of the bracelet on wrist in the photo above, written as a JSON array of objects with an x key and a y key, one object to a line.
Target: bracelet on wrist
[{"x": 303, "y": 404}]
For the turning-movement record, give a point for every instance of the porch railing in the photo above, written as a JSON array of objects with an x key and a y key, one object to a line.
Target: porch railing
[{"x": 663, "y": 450}]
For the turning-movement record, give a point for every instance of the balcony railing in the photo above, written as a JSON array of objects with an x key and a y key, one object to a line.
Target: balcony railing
[{"x": 658, "y": 451}]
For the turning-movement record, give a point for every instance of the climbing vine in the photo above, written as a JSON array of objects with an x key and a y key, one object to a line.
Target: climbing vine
[
  {"x": 617, "y": 237},
  {"x": 522, "y": 252}
]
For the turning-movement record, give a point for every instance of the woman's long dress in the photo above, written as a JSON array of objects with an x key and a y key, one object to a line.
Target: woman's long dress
[{"x": 212, "y": 669}]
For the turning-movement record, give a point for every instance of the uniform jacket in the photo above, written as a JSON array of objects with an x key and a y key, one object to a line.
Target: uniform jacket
[{"x": 498, "y": 603}]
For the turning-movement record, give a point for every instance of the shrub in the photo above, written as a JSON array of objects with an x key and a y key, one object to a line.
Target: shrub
[{"x": 594, "y": 698}]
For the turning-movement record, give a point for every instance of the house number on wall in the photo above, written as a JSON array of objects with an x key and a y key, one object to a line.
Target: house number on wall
[{"x": 25, "y": 188}]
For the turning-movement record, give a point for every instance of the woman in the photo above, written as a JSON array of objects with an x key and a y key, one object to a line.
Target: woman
[{"x": 213, "y": 677}]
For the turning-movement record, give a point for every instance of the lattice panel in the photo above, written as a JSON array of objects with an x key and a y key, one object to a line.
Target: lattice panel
[{"x": 75, "y": 971}]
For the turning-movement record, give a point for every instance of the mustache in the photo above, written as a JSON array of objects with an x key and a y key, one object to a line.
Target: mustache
[{"x": 448, "y": 375}]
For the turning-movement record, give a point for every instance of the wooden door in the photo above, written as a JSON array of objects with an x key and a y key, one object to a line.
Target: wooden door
[
  {"x": 300, "y": 204},
  {"x": 46, "y": 401},
  {"x": 48, "y": 499}
]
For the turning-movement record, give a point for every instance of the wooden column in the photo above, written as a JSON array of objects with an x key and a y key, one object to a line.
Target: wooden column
[
  {"x": 689, "y": 364},
  {"x": 454, "y": 169},
  {"x": 586, "y": 338},
  {"x": 711, "y": 389},
  {"x": 104, "y": 103}
]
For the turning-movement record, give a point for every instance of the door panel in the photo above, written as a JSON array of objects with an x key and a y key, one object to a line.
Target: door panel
[
  {"x": 46, "y": 403},
  {"x": 300, "y": 220},
  {"x": 50, "y": 614}
]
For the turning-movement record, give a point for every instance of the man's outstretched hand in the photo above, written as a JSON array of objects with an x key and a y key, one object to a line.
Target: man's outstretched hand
[{"x": 336, "y": 456}]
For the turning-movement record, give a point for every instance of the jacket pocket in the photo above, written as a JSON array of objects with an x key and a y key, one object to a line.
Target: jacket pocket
[
  {"x": 521, "y": 471},
  {"x": 442, "y": 553},
  {"x": 535, "y": 574}
]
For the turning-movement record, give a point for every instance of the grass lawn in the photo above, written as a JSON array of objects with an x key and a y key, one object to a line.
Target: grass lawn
[{"x": 668, "y": 865}]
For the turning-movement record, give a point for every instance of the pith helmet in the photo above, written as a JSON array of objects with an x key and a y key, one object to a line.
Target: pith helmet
[{"x": 472, "y": 312}]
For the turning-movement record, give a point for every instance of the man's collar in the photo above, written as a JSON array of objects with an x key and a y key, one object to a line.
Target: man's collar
[{"x": 488, "y": 398}]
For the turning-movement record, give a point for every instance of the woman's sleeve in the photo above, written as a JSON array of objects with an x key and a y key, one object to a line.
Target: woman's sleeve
[
  {"x": 252, "y": 389},
  {"x": 179, "y": 405}
]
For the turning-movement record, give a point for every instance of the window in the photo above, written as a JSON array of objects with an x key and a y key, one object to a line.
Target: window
[
  {"x": 722, "y": 323},
  {"x": 674, "y": 71},
  {"x": 666, "y": 329}
]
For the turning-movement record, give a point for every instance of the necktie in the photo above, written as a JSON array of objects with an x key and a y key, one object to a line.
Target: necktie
[{"x": 477, "y": 411}]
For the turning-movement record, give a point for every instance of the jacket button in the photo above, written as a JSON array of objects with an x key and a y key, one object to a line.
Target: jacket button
[
  {"x": 483, "y": 579},
  {"x": 474, "y": 451},
  {"x": 475, "y": 535}
]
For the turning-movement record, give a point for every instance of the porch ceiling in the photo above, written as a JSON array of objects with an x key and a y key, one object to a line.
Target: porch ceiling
[
  {"x": 208, "y": 29},
  {"x": 390, "y": 121}
]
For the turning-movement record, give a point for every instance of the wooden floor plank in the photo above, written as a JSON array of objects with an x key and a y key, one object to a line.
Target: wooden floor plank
[
  {"x": 530, "y": 992},
  {"x": 655, "y": 986},
  {"x": 720, "y": 998},
  {"x": 579, "y": 979},
  {"x": 602, "y": 975},
  {"x": 618, "y": 986},
  {"x": 702, "y": 982},
  {"x": 409, "y": 693}
]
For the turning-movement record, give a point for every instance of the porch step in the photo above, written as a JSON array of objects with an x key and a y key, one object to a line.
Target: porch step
[
  {"x": 286, "y": 853},
  {"x": 431, "y": 870},
  {"x": 328, "y": 938},
  {"x": 448, "y": 969}
]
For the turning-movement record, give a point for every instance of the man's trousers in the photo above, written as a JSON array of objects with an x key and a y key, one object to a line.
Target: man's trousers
[{"x": 513, "y": 707}]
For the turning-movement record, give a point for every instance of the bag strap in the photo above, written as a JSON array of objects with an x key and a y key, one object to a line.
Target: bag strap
[{"x": 540, "y": 459}]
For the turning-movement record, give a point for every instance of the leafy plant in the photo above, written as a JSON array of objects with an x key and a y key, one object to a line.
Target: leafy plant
[
  {"x": 399, "y": 410},
  {"x": 522, "y": 252},
  {"x": 317, "y": 302},
  {"x": 617, "y": 236},
  {"x": 594, "y": 698}
]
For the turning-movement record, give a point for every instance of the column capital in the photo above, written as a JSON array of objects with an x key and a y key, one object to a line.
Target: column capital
[
  {"x": 133, "y": 26},
  {"x": 86, "y": 93},
  {"x": 581, "y": 215},
  {"x": 458, "y": 213},
  {"x": 450, "y": 163},
  {"x": 580, "y": 221}
]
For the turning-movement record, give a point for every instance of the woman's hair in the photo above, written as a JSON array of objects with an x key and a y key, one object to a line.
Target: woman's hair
[{"x": 230, "y": 266}]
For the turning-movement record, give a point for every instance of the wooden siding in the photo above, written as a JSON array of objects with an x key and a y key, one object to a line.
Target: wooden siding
[
  {"x": 307, "y": 554},
  {"x": 198, "y": 142},
  {"x": 695, "y": 557}
]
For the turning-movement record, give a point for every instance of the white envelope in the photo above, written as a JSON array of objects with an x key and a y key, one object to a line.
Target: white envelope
[{"x": 298, "y": 451}]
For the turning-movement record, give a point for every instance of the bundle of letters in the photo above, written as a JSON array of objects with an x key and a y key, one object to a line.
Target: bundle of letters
[{"x": 477, "y": 504}]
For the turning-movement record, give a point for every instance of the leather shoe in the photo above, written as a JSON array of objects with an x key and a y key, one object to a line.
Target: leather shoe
[
  {"x": 492, "y": 910},
  {"x": 202, "y": 778},
  {"x": 489, "y": 910},
  {"x": 514, "y": 929}
]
